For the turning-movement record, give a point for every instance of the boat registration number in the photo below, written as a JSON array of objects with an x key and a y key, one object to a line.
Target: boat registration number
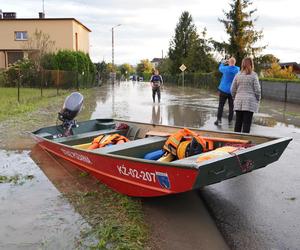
[{"x": 137, "y": 174}]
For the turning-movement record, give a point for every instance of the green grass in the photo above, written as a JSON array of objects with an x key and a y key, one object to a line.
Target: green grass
[
  {"x": 30, "y": 100},
  {"x": 15, "y": 179},
  {"x": 117, "y": 220}
]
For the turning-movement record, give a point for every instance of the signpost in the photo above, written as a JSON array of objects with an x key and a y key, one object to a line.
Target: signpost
[{"x": 182, "y": 68}]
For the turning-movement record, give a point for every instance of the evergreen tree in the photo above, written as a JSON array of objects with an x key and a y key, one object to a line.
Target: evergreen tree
[
  {"x": 199, "y": 58},
  {"x": 239, "y": 25},
  {"x": 180, "y": 45},
  {"x": 188, "y": 48}
]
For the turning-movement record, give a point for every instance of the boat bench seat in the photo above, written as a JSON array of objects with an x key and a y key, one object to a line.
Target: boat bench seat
[
  {"x": 137, "y": 148},
  {"x": 188, "y": 160},
  {"x": 87, "y": 137}
]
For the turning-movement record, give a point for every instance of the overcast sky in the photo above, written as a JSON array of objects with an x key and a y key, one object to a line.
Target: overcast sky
[{"x": 147, "y": 26}]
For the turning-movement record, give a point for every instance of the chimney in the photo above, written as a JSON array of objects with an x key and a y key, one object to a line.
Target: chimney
[
  {"x": 9, "y": 15},
  {"x": 41, "y": 15}
]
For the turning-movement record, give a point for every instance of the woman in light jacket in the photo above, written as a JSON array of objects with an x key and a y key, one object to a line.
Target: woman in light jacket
[{"x": 246, "y": 93}]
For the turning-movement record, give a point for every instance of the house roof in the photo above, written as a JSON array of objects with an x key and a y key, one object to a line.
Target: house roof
[
  {"x": 294, "y": 64},
  {"x": 45, "y": 19},
  {"x": 156, "y": 59}
]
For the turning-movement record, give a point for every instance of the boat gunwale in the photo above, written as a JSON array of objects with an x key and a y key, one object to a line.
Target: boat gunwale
[{"x": 195, "y": 165}]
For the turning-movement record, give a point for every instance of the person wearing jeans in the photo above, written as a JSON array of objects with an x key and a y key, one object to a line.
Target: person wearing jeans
[
  {"x": 246, "y": 92},
  {"x": 156, "y": 82},
  {"x": 229, "y": 70}
]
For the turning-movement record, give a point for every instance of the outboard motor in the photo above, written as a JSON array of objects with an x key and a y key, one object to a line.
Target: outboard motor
[{"x": 70, "y": 110}]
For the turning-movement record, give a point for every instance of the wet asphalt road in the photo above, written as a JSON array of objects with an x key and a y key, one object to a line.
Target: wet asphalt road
[{"x": 259, "y": 210}]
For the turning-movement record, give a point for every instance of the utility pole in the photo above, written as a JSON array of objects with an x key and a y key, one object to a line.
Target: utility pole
[{"x": 113, "y": 52}]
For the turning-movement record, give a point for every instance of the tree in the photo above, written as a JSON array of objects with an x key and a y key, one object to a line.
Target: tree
[
  {"x": 38, "y": 45},
  {"x": 199, "y": 58},
  {"x": 182, "y": 42},
  {"x": 264, "y": 62},
  {"x": 165, "y": 66},
  {"x": 239, "y": 25},
  {"x": 277, "y": 72},
  {"x": 126, "y": 69},
  {"x": 144, "y": 66},
  {"x": 102, "y": 71},
  {"x": 188, "y": 48}
]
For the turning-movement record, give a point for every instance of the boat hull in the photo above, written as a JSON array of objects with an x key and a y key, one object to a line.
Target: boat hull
[
  {"x": 124, "y": 169},
  {"x": 127, "y": 176}
]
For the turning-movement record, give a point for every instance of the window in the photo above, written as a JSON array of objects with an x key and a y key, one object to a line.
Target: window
[
  {"x": 14, "y": 56},
  {"x": 76, "y": 41},
  {"x": 21, "y": 35}
]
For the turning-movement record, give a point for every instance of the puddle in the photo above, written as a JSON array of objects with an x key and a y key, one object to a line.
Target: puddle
[{"x": 33, "y": 213}]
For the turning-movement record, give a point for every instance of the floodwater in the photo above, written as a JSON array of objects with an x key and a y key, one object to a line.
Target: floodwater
[
  {"x": 259, "y": 210},
  {"x": 33, "y": 213},
  {"x": 256, "y": 211}
]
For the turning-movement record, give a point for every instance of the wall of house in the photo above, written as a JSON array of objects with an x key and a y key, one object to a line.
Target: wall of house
[
  {"x": 83, "y": 37},
  {"x": 2, "y": 60},
  {"x": 281, "y": 91},
  {"x": 60, "y": 31}
]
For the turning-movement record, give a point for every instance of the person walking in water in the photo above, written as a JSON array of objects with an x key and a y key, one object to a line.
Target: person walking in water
[
  {"x": 156, "y": 82},
  {"x": 246, "y": 92},
  {"x": 229, "y": 70}
]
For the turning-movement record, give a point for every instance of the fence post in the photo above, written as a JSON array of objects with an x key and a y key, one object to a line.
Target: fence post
[
  {"x": 57, "y": 81},
  {"x": 42, "y": 81},
  {"x": 19, "y": 80},
  {"x": 77, "y": 80},
  {"x": 285, "y": 92}
]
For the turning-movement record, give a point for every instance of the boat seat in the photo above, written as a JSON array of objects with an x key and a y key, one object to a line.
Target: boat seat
[
  {"x": 137, "y": 148},
  {"x": 188, "y": 160},
  {"x": 86, "y": 137}
]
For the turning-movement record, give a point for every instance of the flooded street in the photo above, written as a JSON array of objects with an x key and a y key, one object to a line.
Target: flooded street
[
  {"x": 33, "y": 213},
  {"x": 259, "y": 210},
  {"x": 256, "y": 211}
]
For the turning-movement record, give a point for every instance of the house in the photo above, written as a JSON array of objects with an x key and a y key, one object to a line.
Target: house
[
  {"x": 294, "y": 65},
  {"x": 67, "y": 33},
  {"x": 156, "y": 61}
]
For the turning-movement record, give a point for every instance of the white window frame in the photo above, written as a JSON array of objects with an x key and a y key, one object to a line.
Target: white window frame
[{"x": 23, "y": 35}]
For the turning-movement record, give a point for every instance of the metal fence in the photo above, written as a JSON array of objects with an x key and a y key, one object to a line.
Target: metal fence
[
  {"x": 46, "y": 79},
  {"x": 195, "y": 80}
]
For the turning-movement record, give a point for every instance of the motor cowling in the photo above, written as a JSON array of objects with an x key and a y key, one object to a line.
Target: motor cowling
[{"x": 72, "y": 106}]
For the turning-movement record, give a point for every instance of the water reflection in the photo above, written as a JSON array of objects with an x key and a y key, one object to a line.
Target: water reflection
[
  {"x": 181, "y": 106},
  {"x": 33, "y": 214},
  {"x": 156, "y": 116}
]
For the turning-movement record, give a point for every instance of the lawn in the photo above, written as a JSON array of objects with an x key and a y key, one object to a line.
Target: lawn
[{"x": 30, "y": 100}]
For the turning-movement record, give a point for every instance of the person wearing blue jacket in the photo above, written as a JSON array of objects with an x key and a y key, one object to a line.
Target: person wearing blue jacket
[{"x": 229, "y": 71}]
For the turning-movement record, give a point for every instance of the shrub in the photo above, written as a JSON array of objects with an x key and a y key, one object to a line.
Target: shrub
[
  {"x": 67, "y": 60},
  {"x": 49, "y": 61},
  {"x": 23, "y": 71},
  {"x": 277, "y": 72}
]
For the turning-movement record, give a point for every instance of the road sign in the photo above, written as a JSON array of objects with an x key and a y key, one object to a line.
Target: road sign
[{"x": 182, "y": 67}]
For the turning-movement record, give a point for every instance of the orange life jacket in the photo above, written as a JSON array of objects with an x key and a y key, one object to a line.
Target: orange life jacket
[
  {"x": 175, "y": 139},
  {"x": 104, "y": 140}
]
